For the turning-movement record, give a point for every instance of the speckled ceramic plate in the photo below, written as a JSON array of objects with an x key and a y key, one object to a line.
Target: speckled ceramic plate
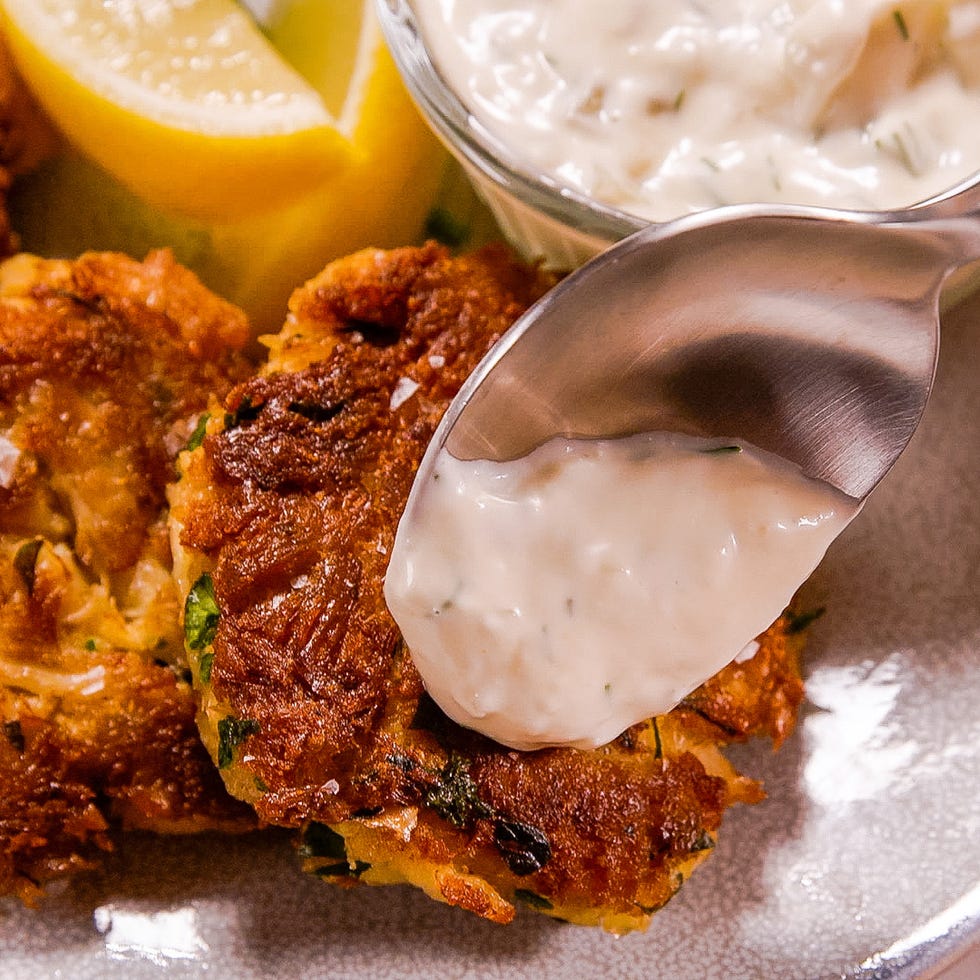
[{"x": 864, "y": 861}]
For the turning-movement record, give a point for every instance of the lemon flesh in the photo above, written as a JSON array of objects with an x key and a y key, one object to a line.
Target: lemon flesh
[
  {"x": 256, "y": 257},
  {"x": 224, "y": 126}
]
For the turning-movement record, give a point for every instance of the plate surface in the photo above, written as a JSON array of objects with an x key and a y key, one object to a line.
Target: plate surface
[{"x": 864, "y": 861}]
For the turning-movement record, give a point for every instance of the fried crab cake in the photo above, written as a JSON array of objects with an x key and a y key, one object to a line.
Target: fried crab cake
[
  {"x": 311, "y": 706},
  {"x": 104, "y": 365}
]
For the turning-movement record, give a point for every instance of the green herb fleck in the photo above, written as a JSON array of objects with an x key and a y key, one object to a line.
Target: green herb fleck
[
  {"x": 321, "y": 841},
  {"x": 526, "y": 849},
  {"x": 898, "y": 149},
  {"x": 231, "y": 733},
  {"x": 25, "y": 562},
  {"x": 90, "y": 644},
  {"x": 15, "y": 735},
  {"x": 679, "y": 101},
  {"x": 798, "y": 622},
  {"x": 532, "y": 900},
  {"x": 445, "y": 227},
  {"x": 899, "y": 19},
  {"x": 204, "y": 667},
  {"x": 201, "y": 614},
  {"x": 704, "y": 842},
  {"x": 200, "y": 430},
  {"x": 455, "y": 797}
]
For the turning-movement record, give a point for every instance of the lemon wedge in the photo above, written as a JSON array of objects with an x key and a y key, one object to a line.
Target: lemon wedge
[
  {"x": 224, "y": 126},
  {"x": 377, "y": 191}
]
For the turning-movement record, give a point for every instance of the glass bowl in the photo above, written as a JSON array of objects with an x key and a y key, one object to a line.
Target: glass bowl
[{"x": 539, "y": 217}]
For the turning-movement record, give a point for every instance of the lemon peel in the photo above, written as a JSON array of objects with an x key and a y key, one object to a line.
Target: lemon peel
[
  {"x": 381, "y": 197},
  {"x": 224, "y": 125}
]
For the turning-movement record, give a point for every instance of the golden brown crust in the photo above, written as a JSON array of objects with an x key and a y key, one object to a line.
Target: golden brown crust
[
  {"x": 104, "y": 364},
  {"x": 755, "y": 697},
  {"x": 89, "y": 739},
  {"x": 292, "y": 505},
  {"x": 104, "y": 359}
]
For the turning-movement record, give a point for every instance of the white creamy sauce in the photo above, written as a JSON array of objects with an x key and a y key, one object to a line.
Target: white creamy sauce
[
  {"x": 660, "y": 108},
  {"x": 562, "y": 597}
]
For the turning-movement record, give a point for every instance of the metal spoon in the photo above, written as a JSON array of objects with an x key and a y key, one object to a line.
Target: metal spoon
[{"x": 808, "y": 332}]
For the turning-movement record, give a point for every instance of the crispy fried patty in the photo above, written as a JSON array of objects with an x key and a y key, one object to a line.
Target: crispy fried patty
[
  {"x": 104, "y": 363},
  {"x": 311, "y": 704}
]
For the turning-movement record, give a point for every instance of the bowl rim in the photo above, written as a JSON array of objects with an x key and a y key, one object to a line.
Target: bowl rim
[{"x": 474, "y": 145}]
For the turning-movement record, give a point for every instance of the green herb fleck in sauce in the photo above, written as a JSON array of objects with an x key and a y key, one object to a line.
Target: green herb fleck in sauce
[
  {"x": 899, "y": 19},
  {"x": 722, "y": 450}
]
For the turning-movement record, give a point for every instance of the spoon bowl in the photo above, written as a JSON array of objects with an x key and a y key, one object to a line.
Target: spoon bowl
[{"x": 810, "y": 333}]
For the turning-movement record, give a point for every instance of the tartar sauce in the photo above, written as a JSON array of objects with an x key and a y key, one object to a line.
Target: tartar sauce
[
  {"x": 562, "y": 597},
  {"x": 660, "y": 108}
]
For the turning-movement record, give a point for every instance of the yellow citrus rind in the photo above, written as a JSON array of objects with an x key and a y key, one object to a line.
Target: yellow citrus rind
[{"x": 205, "y": 152}]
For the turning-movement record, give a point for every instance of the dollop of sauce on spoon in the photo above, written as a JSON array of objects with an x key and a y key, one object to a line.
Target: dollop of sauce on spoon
[{"x": 559, "y": 598}]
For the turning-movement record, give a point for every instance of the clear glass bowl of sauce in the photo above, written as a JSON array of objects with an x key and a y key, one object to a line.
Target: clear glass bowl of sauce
[
  {"x": 848, "y": 106},
  {"x": 539, "y": 216}
]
